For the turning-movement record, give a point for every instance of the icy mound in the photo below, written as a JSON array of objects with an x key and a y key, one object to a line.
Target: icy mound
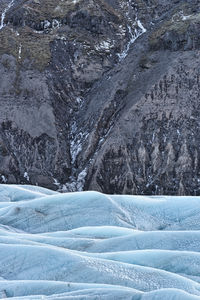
[{"x": 93, "y": 246}]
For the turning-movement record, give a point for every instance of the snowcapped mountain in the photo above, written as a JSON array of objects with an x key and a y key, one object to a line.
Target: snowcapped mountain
[
  {"x": 100, "y": 95},
  {"x": 89, "y": 245}
]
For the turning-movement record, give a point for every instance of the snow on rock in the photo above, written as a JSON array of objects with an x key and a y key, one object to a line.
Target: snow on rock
[
  {"x": 134, "y": 35},
  {"x": 104, "y": 46},
  {"x": 10, "y": 4},
  {"x": 88, "y": 245}
]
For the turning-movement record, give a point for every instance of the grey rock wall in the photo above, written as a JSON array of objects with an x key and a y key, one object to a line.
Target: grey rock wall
[{"x": 101, "y": 95}]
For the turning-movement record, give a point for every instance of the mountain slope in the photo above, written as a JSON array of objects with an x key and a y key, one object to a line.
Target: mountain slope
[{"x": 100, "y": 95}]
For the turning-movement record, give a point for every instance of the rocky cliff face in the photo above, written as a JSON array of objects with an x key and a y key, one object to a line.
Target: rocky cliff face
[{"x": 101, "y": 95}]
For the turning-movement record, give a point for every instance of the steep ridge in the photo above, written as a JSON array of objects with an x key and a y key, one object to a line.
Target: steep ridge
[
  {"x": 100, "y": 95},
  {"x": 150, "y": 118}
]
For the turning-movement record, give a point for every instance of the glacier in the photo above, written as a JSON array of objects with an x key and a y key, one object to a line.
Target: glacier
[{"x": 88, "y": 245}]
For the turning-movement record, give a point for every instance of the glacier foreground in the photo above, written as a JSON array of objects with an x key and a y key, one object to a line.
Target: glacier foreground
[{"x": 88, "y": 245}]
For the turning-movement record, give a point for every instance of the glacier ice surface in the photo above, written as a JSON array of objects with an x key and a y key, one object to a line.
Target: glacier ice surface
[{"x": 88, "y": 245}]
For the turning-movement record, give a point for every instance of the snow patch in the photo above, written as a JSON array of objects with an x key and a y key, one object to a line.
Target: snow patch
[
  {"x": 3, "y": 178},
  {"x": 184, "y": 18},
  {"x": 75, "y": 184},
  {"x": 76, "y": 144},
  {"x": 105, "y": 46},
  {"x": 26, "y": 176}
]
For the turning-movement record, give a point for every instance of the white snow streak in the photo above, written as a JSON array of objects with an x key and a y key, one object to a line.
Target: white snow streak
[
  {"x": 4, "y": 13},
  {"x": 20, "y": 51},
  {"x": 135, "y": 34}
]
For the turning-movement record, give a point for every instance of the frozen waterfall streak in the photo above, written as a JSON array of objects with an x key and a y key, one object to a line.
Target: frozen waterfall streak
[
  {"x": 4, "y": 13},
  {"x": 134, "y": 35}
]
